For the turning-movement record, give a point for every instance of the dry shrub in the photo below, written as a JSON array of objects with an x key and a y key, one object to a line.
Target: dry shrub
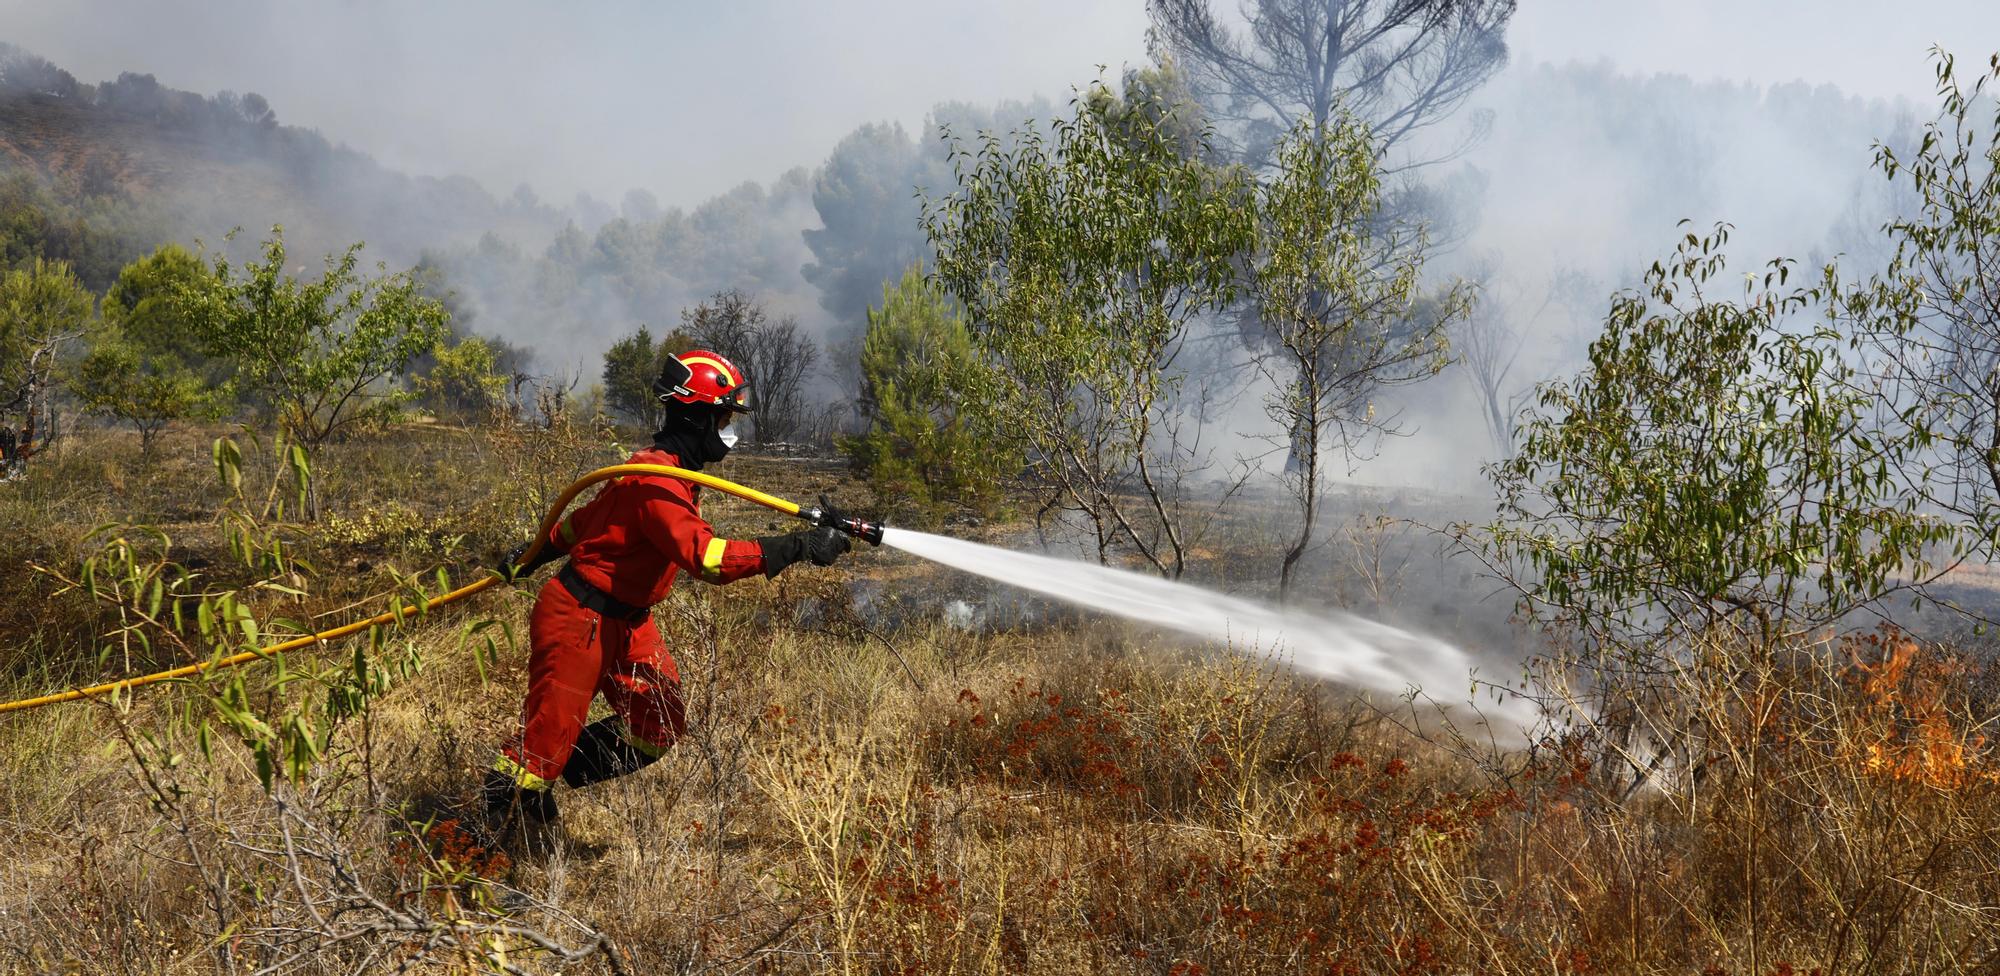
[
  {"x": 864, "y": 796},
  {"x": 1827, "y": 806},
  {"x": 1851, "y": 804}
]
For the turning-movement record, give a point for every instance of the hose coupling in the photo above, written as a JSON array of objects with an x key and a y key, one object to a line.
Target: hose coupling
[{"x": 832, "y": 518}]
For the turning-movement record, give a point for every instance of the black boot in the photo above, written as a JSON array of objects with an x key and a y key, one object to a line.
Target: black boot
[
  {"x": 508, "y": 804},
  {"x": 602, "y": 753}
]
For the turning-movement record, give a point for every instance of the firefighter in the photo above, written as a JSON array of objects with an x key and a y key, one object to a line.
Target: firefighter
[{"x": 591, "y": 631}]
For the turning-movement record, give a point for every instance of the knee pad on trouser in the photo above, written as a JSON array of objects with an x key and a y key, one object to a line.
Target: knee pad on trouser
[{"x": 602, "y": 753}]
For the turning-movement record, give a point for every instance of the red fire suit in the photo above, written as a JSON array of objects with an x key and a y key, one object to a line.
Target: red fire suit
[{"x": 629, "y": 542}]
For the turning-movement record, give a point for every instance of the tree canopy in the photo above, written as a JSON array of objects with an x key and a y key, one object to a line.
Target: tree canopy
[
  {"x": 1400, "y": 66},
  {"x": 321, "y": 354}
]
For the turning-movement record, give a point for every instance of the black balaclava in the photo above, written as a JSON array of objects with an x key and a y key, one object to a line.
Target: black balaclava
[{"x": 692, "y": 435}]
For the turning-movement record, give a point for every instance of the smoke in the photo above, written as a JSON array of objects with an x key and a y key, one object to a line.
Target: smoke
[
  {"x": 684, "y": 100},
  {"x": 1585, "y": 177},
  {"x": 688, "y": 145},
  {"x": 581, "y": 290},
  {"x": 778, "y": 152}
]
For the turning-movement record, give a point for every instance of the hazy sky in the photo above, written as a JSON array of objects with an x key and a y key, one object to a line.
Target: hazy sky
[
  {"x": 1867, "y": 47},
  {"x": 688, "y": 98}
]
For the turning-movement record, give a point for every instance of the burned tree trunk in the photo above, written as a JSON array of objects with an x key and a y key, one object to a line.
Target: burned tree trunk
[{"x": 31, "y": 402}]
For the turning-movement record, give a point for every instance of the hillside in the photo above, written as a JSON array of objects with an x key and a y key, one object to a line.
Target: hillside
[
  {"x": 207, "y": 164},
  {"x": 98, "y": 175}
]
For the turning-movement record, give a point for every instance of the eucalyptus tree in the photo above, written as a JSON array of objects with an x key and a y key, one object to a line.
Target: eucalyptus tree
[
  {"x": 1344, "y": 324},
  {"x": 1928, "y": 325},
  {"x": 1081, "y": 256},
  {"x": 1719, "y": 468},
  {"x": 1398, "y": 67}
]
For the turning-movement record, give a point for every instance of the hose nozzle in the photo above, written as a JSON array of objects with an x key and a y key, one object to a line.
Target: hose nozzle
[{"x": 825, "y": 515}]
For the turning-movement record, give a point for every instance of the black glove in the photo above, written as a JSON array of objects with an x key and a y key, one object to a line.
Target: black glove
[
  {"x": 831, "y": 513},
  {"x": 510, "y": 572},
  {"x": 821, "y": 546}
]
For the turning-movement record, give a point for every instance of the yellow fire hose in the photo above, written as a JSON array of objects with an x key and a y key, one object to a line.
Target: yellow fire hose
[{"x": 814, "y": 515}]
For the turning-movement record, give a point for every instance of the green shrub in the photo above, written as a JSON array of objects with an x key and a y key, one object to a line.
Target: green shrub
[
  {"x": 464, "y": 380},
  {"x": 143, "y": 306},
  {"x": 118, "y": 381},
  {"x": 631, "y": 365},
  {"x": 323, "y": 354}
]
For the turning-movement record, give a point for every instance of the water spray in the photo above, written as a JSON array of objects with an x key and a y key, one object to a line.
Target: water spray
[{"x": 1342, "y": 647}]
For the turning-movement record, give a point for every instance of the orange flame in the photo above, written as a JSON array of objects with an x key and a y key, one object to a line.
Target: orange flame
[{"x": 1916, "y": 739}]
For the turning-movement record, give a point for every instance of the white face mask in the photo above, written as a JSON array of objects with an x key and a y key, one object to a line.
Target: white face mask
[{"x": 728, "y": 438}]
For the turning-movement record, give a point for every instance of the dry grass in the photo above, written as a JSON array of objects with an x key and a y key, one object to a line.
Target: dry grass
[{"x": 862, "y": 796}]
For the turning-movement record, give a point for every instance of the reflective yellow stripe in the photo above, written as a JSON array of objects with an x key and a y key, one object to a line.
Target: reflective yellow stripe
[
  {"x": 506, "y": 766},
  {"x": 711, "y": 560},
  {"x": 643, "y": 747},
  {"x": 719, "y": 367}
]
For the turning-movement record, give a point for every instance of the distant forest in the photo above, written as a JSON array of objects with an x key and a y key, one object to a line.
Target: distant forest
[{"x": 1583, "y": 168}]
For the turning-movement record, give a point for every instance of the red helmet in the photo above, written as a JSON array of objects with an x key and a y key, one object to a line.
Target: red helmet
[{"x": 702, "y": 378}]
